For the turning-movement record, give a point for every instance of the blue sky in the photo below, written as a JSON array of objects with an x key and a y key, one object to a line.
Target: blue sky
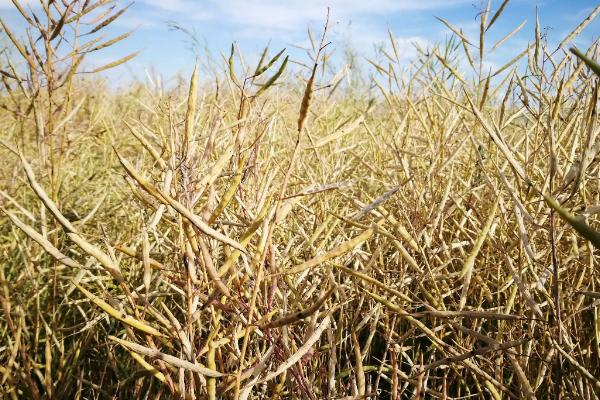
[{"x": 358, "y": 24}]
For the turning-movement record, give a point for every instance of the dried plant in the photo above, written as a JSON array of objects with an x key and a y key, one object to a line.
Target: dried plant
[{"x": 279, "y": 235}]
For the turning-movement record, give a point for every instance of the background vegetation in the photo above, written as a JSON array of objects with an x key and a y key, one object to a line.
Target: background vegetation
[{"x": 280, "y": 232}]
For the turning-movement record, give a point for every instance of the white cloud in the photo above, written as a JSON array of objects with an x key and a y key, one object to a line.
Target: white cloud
[
  {"x": 363, "y": 35},
  {"x": 406, "y": 46},
  {"x": 358, "y": 24},
  {"x": 267, "y": 12},
  {"x": 289, "y": 15}
]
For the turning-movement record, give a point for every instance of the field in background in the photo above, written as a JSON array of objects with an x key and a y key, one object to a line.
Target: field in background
[{"x": 426, "y": 233}]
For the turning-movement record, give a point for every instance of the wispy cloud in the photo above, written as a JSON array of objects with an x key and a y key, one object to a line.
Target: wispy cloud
[{"x": 288, "y": 15}]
